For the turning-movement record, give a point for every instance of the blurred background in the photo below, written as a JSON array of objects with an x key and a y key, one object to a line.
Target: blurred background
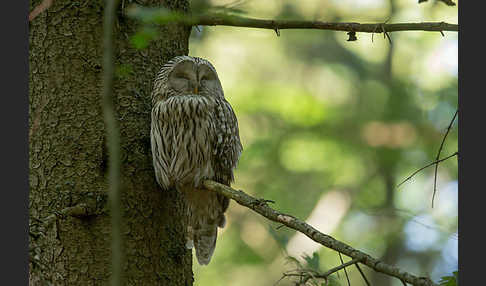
[{"x": 329, "y": 129}]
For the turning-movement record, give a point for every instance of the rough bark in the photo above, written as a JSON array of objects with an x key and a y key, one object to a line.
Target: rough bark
[{"x": 67, "y": 154}]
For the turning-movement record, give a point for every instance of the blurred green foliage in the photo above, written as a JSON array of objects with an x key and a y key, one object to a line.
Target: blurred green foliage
[
  {"x": 329, "y": 129},
  {"x": 450, "y": 280}
]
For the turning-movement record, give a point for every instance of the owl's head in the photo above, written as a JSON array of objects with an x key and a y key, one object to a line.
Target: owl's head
[{"x": 185, "y": 75}]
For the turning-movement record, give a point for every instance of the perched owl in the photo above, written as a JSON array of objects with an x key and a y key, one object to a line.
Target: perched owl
[{"x": 194, "y": 137}]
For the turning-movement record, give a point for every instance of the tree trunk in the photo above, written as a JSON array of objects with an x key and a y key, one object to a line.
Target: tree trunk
[{"x": 67, "y": 154}]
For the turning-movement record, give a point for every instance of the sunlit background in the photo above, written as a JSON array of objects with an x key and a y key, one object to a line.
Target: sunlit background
[{"x": 329, "y": 129}]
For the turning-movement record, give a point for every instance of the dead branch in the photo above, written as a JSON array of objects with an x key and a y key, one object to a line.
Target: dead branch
[
  {"x": 438, "y": 155},
  {"x": 447, "y": 2},
  {"x": 40, "y": 8},
  {"x": 261, "y": 207},
  {"x": 426, "y": 166},
  {"x": 331, "y": 271},
  {"x": 345, "y": 272},
  {"x": 163, "y": 16},
  {"x": 237, "y": 21},
  {"x": 78, "y": 211}
]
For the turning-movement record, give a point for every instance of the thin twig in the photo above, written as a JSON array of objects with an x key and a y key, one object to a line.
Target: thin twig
[
  {"x": 332, "y": 270},
  {"x": 113, "y": 142},
  {"x": 345, "y": 272},
  {"x": 388, "y": 36},
  {"x": 426, "y": 166},
  {"x": 278, "y": 281},
  {"x": 438, "y": 155},
  {"x": 363, "y": 275},
  {"x": 263, "y": 209}
]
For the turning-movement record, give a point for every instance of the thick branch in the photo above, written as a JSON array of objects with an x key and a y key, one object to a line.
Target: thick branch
[
  {"x": 447, "y": 2},
  {"x": 261, "y": 207},
  {"x": 163, "y": 16},
  {"x": 237, "y": 21}
]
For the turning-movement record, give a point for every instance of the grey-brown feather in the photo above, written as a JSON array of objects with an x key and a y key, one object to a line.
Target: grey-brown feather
[{"x": 194, "y": 137}]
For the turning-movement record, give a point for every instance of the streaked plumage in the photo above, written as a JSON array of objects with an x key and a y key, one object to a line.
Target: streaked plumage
[{"x": 194, "y": 136}]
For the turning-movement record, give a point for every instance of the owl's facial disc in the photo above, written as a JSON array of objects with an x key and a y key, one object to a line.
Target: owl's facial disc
[
  {"x": 183, "y": 78},
  {"x": 207, "y": 79}
]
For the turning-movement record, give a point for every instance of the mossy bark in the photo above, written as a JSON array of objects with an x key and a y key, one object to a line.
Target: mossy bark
[{"x": 67, "y": 154}]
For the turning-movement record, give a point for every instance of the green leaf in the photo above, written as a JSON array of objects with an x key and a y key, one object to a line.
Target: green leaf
[
  {"x": 142, "y": 38},
  {"x": 312, "y": 262},
  {"x": 449, "y": 280},
  {"x": 154, "y": 15},
  {"x": 123, "y": 70}
]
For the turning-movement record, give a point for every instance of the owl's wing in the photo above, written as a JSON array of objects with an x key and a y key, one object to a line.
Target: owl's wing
[
  {"x": 160, "y": 137},
  {"x": 227, "y": 151},
  {"x": 227, "y": 147}
]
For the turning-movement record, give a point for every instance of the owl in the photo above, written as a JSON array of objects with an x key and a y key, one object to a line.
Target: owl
[{"x": 194, "y": 137}]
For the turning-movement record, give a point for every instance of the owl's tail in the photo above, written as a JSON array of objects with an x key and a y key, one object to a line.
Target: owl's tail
[
  {"x": 205, "y": 213},
  {"x": 205, "y": 242}
]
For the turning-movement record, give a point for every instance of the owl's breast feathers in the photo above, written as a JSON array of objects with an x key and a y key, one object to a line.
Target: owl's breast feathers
[{"x": 193, "y": 138}]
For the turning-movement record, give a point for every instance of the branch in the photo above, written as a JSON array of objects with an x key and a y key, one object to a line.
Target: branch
[
  {"x": 261, "y": 207},
  {"x": 438, "y": 155},
  {"x": 306, "y": 274},
  {"x": 238, "y": 21},
  {"x": 38, "y": 228},
  {"x": 426, "y": 166},
  {"x": 164, "y": 16},
  {"x": 40, "y": 8},
  {"x": 79, "y": 211},
  {"x": 363, "y": 275},
  {"x": 332, "y": 270},
  {"x": 345, "y": 272},
  {"x": 447, "y": 2},
  {"x": 337, "y": 268}
]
